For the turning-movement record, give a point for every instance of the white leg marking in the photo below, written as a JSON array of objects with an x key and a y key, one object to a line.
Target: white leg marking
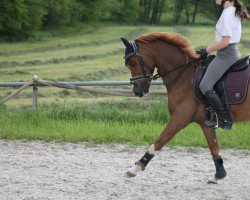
[
  {"x": 213, "y": 180},
  {"x": 133, "y": 171},
  {"x": 137, "y": 168},
  {"x": 151, "y": 150}
]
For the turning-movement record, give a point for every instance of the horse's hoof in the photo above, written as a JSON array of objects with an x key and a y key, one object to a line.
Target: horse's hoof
[
  {"x": 129, "y": 174},
  {"x": 133, "y": 171},
  {"x": 213, "y": 180}
]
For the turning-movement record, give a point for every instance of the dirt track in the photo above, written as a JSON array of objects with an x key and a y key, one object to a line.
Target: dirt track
[{"x": 37, "y": 170}]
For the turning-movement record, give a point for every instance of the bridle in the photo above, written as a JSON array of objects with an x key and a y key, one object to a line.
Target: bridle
[{"x": 145, "y": 76}]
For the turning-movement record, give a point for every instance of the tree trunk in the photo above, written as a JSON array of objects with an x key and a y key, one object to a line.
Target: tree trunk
[
  {"x": 195, "y": 11},
  {"x": 177, "y": 10},
  {"x": 146, "y": 7},
  {"x": 161, "y": 6},
  {"x": 187, "y": 13}
]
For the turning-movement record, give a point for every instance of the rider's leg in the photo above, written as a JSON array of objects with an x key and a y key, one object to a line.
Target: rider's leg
[{"x": 224, "y": 60}]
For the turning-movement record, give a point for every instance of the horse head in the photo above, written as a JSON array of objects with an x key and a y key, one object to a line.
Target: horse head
[{"x": 141, "y": 76}]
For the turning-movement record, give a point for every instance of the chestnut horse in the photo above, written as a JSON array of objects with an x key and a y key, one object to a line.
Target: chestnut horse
[{"x": 176, "y": 63}]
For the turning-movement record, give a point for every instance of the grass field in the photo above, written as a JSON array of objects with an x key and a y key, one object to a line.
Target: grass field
[
  {"x": 130, "y": 120},
  {"x": 96, "y": 54}
]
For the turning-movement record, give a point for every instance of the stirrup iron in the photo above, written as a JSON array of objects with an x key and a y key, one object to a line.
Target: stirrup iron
[{"x": 212, "y": 119}]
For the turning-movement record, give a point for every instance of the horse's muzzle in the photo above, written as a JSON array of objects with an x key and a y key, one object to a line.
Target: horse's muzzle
[
  {"x": 139, "y": 91},
  {"x": 141, "y": 85}
]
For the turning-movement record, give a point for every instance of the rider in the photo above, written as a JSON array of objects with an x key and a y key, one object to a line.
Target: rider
[{"x": 227, "y": 36}]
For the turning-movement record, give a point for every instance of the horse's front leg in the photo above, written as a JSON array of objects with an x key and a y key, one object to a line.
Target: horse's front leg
[
  {"x": 214, "y": 148},
  {"x": 169, "y": 132}
]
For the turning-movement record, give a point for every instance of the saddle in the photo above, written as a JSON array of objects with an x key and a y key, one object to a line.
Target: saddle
[{"x": 232, "y": 87}]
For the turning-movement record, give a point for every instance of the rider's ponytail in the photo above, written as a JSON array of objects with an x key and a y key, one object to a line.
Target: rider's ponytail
[{"x": 241, "y": 10}]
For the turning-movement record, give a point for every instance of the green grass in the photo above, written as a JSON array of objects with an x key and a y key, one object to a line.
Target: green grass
[
  {"x": 95, "y": 54},
  {"x": 60, "y": 57},
  {"x": 137, "y": 122}
]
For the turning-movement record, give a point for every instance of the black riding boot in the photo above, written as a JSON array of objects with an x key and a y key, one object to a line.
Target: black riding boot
[{"x": 225, "y": 119}]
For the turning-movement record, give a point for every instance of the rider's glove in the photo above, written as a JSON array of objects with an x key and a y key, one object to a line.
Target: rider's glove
[{"x": 202, "y": 52}]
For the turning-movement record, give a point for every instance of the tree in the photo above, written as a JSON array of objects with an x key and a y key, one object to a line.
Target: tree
[
  {"x": 93, "y": 10},
  {"x": 151, "y": 11},
  {"x": 19, "y": 17},
  {"x": 125, "y": 11},
  {"x": 158, "y": 6},
  {"x": 191, "y": 8},
  {"x": 60, "y": 13}
]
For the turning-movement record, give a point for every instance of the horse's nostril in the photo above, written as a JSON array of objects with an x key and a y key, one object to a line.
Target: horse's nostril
[
  {"x": 141, "y": 95},
  {"x": 138, "y": 91},
  {"x": 138, "y": 94}
]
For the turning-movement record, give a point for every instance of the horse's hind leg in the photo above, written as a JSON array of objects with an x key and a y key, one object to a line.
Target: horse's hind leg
[
  {"x": 169, "y": 132},
  {"x": 214, "y": 148}
]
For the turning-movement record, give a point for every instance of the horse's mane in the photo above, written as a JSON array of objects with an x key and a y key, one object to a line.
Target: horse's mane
[{"x": 171, "y": 38}]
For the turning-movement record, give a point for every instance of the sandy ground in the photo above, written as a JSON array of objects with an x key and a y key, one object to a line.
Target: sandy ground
[{"x": 37, "y": 170}]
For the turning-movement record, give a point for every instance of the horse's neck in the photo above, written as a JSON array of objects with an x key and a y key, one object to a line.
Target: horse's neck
[
  {"x": 179, "y": 79},
  {"x": 168, "y": 57}
]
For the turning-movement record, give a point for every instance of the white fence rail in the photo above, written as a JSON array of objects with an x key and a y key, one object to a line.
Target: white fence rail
[
  {"x": 78, "y": 83},
  {"x": 35, "y": 83}
]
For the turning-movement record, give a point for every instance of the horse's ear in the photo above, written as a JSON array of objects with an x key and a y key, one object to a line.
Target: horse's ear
[{"x": 125, "y": 42}]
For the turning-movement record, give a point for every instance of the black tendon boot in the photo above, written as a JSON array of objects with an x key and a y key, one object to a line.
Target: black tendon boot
[
  {"x": 225, "y": 119},
  {"x": 220, "y": 170}
]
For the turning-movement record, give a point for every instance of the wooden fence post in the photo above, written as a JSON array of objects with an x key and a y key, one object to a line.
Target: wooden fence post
[{"x": 35, "y": 92}]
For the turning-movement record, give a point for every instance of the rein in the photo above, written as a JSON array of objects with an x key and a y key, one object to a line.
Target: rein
[
  {"x": 156, "y": 76},
  {"x": 145, "y": 74}
]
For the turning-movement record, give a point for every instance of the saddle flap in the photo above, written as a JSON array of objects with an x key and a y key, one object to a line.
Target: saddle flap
[
  {"x": 236, "y": 86},
  {"x": 241, "y": 64}
]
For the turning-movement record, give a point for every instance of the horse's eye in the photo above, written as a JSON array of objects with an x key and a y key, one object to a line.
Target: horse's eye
[{"x": 133, "y": 64}]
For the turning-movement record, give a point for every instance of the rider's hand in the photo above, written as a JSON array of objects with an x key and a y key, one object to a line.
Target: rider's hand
[{"x": 202, "y": 52}]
